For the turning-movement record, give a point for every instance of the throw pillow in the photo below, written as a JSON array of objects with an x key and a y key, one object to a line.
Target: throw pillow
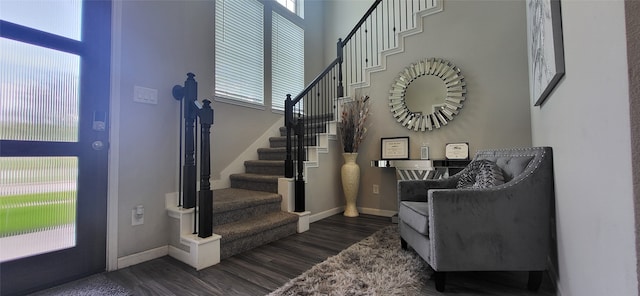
[
  {"x": 468, "y": 176},
  {"x": 489, "y": 175},
  {"x": 481, "y": 174}
]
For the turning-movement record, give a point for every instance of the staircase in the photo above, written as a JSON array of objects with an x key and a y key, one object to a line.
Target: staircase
[{"x": 252, "y": 212}]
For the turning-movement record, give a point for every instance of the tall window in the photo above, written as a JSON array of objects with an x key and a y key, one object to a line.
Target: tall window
[
  {"x": 287, "y": 59},
  {"x": 240, "y": 50},
  {"x": 248, "y": 34}
]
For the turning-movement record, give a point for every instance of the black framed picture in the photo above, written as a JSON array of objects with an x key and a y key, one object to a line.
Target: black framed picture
[{"x": 394, "y": 148}]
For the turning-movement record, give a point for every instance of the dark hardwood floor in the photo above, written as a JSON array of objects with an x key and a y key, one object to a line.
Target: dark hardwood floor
[
  {"x": 256, "y": 272},
  {"x": 264, "y": 269}
]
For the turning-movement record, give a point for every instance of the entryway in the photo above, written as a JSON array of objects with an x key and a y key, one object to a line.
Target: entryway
[{"x": 54, "y": 102}]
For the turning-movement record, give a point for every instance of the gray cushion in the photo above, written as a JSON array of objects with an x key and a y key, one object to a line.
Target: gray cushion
[
  {"x": 481, "y": 174},
  {"x": 416, "y": 215}
]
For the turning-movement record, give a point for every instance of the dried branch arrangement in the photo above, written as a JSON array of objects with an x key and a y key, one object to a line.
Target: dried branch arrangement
[{"x": 353, "y": 126}]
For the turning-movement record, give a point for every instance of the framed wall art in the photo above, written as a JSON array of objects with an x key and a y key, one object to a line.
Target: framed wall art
[
  {"x": 394, "y": 148},
  {"x": 545, "y": 48}
]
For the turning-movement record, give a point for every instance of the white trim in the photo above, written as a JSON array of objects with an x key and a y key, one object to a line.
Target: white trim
[
  {"x": 179, "y": 254},
  {"x": 369, "y": 211},
  {"x": 241, "y": 103},
  {"x": 114, "y": 132},
  {"x": 325, "y": 214},
  {"x": 144, "y": 256},
  {"x": 383, "y": 55},
  {"x": 377, "y": 212},
  {"x": 303, "y": 221}
]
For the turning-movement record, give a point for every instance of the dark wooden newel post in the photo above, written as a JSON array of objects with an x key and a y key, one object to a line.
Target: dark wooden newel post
[
  {"x": 288, "y": 123},
  {"x": 205, "y": 209},
  {"x": 189, "y": 167},
  {"x": 300, "y": 191}
]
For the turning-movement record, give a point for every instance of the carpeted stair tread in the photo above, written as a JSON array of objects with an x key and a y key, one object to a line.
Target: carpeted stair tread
[
  {"x": 320, "y": 127},
  {"x": 265, "y": 162},
  {"x": 256, "y": 177},
  {"x": 258, "y": 182},
  {"x": 275, "y": 142},
  {"x": 276, "y": 153},
  {"x": 279, "y": 153},
  {"x": 264, "y": 167},
  {"x": 230, "y": 199},
  {"x": 248, "y": 227}
]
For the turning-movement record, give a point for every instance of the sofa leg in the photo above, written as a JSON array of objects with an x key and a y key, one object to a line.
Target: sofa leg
[
  {"x": 403, "y": 243},
  {"x": 535, "y": 279},
  {"x": 440, "y": 278}
]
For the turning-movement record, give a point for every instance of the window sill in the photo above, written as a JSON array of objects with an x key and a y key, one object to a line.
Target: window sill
[{"x": 235, "y": 102}]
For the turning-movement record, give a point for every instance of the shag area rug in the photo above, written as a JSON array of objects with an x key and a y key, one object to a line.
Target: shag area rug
[
  {"x": 374, "y": 266},
  {"x": 95, "y": 285}
]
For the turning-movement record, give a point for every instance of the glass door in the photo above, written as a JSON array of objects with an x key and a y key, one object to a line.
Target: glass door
[{"x": 54, "y": 95}]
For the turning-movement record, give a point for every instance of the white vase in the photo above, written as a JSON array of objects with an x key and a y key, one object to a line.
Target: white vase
[{"x": 350, "y": 173}]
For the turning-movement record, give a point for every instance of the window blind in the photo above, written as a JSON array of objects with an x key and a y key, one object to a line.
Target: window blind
[
  {"x": 287, "y": 59},
  {"x": 240, "y": 50}
]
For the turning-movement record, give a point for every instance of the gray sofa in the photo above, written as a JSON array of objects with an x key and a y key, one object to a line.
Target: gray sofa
[{"x": 499, "y": 223}]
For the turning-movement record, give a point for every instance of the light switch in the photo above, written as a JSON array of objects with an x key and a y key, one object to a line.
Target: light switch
[{"x": 145, "y": 95}]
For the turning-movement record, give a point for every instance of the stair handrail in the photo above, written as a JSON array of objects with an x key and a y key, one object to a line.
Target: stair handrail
[{"x": 300, "y": 126}]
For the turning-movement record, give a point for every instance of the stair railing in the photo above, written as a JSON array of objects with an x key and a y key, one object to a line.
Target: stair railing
[
  {"x": 203, "y": 201},
  {"x": 375, "y": 32}
]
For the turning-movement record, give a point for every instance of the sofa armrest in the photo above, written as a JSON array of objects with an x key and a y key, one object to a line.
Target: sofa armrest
[
  {"x": 500, "y": 228},
  {"x": 416, "y": 190}
]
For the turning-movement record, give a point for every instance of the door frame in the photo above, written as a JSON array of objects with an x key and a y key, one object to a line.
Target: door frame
[{"x": 114, "y": 136}]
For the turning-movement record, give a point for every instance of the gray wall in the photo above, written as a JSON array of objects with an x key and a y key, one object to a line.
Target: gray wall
[
  {"x": 586, "y": 121},
  {"x": 632, "y": 13},
  {"x": 492, "y": 55},
  {"x": 155, "y": 44}
]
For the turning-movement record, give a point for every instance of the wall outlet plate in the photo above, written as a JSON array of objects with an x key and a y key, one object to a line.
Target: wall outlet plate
[{"x": 136, "y": 219}]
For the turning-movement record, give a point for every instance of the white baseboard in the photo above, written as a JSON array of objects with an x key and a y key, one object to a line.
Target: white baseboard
[
  {"x": 179, "y": 254},
  {"x": 338, "y": 210},
  {"x": 325, "y": 214},
  {"x": 377, "y": 212},
  {"x": 144, "y": 256}
]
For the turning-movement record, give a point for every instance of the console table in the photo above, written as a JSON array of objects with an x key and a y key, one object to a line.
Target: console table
[{"x": 422, "y": 169}]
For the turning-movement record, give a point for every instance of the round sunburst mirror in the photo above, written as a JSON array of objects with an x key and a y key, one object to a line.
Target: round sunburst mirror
[{"x": 433, "y": 100}]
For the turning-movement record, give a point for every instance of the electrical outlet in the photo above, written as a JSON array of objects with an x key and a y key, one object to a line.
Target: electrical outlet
[
  {"x": 376, "y": 189},
  {"x": 137, "y": 215}
]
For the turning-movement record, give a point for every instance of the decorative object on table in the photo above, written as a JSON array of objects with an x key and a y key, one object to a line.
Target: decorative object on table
[
  {"x": 424, "y": 152},
  {"x": 456, "y": 151},
  {"x": 394, "y": 148},
  {"x": 433, "y": 100},
  {"x": 352, "y": 132},
  {"x": 546, "y": 53}
]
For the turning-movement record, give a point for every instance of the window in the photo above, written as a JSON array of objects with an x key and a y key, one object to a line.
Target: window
[
  {"x": 240, "y": 50},
  {"x": 289, "y": 4},
  {"x": 249, "y": 34},
  {"x": 287, "y": 60}
]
